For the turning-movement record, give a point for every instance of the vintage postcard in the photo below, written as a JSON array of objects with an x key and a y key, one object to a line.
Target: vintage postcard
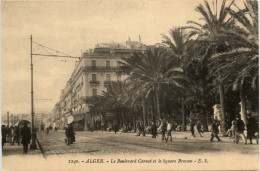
[{"x": 129, "y": 85}]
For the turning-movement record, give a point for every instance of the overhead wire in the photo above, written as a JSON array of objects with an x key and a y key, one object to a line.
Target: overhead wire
[{"x": 50, "y": 54}]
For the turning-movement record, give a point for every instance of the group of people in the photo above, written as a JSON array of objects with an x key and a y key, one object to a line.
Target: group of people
[
  {"x": 236, "y": 131},
  {"x": 196, "y": 128},
  {"x": 238, "y": 128},
  {"x": 14, "y": 135},
  {"x": 140, "y": 128},
  {"x": 164, "y": 126}
]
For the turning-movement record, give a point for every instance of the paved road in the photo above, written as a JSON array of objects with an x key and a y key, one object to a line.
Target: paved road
[{"x": 101, "y": 143}]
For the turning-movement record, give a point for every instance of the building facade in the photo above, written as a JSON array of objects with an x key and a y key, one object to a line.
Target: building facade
[{"x": 95, "y": 69}]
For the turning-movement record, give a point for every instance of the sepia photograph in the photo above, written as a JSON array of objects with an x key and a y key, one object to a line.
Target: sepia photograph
[{"x": 129, "y": 85}]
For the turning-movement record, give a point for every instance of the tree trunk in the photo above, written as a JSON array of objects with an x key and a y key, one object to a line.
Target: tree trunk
[
  {"x": 103, "y": 116},
  {"x": 223, "y": 111},
  {"x": 144, "y": 109},
  {"x": 243, "y": 104},
  {"x": 183, "y": 117},
  {"x": 203, "y": 117},
  {"x": 123, "y": 116},
  {"x": 85, "y": 122},
  {"x": 133, "y": 117},
  {"x": 158, "y": 102},
  {"x": 152, "y": 105}
]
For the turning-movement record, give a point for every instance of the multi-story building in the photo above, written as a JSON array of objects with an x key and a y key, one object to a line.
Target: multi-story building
[
  {"x": 91, "y": 73},
  {"x": 39, "y": 118}
]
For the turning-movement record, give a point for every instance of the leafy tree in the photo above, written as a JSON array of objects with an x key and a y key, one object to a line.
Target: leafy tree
[
  {"x": 152, "y": 69},
  {"x": 213, "y": 25},
  {"x": 239, "y": 66}
]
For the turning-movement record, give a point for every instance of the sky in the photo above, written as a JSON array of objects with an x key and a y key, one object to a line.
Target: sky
[{"x": 72, "y": 27}]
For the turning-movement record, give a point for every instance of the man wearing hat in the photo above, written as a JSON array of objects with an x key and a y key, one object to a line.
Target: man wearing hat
[
  {"x": 239, "y": 129},
  {"x": 26, "y": 137},
  {"x": 251, "y": 128}
]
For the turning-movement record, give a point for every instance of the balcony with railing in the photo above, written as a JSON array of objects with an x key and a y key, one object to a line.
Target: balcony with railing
[
  {"x": 94, "y": 82},
  {"x": 102, "y": 69}
]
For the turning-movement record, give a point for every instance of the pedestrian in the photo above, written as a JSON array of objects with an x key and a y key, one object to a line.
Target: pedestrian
[
  {"x": 138, "y": 126},
  {"x": 115, "y": 127},
  {"x": 3, "y": 131},
  {"x": 214, "y": 131},
  {"x": 251, "y": 128},
  {"x": 102, "y": 126},
  {"x": 55, "y": 129},
  {"x": 217, "y": 122},
  {"x": 67, "y": 134},
  {"x": 192, "y": 128},
  {"x": 239, "y": 129},
  {"x": 48, "y": 129},
  {"x": 142, "y": 128},
  {"x": 73, "y": 138},
  {"x": 231, "y": 131},
  {"x": 163, "y": 127},
  {"x": 16, "y": 135},
  {"x": 153, "y": 130},
  {"x": 11, "y": 135},
  {"x": 169, "y": 131},
  {"x": 8, "y": 134},
  {"x": 20, "y": 133},
  {"x": 199, "y": 129},
  {"x": 26, "y": 137},
  {"x": 70, "y": 134}
]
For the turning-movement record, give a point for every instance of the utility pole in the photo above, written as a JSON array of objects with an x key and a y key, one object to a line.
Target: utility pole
[
  {"x": 33, "y": 144},
  {"x": 12, "y": 119},
  {"x": 8, "y": 119}
]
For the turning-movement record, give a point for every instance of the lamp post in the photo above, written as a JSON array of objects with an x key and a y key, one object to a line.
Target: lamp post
[{"x": 33, "y": 144}]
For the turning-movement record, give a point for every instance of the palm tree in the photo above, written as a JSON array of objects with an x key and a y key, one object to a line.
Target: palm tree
[
  {"x": 98, "y": 106},
  {"x": 213, "y": 26},
  {"x": 186, "y": 49},
  {"x": 115, "y": 98},
  {"x": 152, "y": 69},
  {"x": 240, "y": 64},
  {"x": 179, "y": 42}
]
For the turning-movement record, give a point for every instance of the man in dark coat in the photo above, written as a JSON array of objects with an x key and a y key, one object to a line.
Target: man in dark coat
[
  {"x": 192, "y": 128},
  {"x": 239, "y": 130},
  {"x": 251, "y": 128},
  {"x": 16, "y": 135},
  {"x": 115, "y": 127},
  {"x": 142, "y": 128},
  {"x": 70, "y": 134},
  {"x": 154, "y": 130},
  {"x": 26, "y": 138},
  {"x": 214, "y": 131},
  {"x": 164, "y": 130},
  {"x": 3, "y": 135},
  {"x": 138, "y": 126}
]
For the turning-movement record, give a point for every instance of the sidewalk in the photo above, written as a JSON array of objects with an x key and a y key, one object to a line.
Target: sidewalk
[
  {"x": 17, "y": 150},
  {"x": 13, "y": 158}
]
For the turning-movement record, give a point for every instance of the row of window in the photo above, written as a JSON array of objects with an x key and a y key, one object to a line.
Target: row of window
[
  {"x": 94, "y": 92},
  {"x": 94, "y": 63},
  {"x": 108, "y": 77}
]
